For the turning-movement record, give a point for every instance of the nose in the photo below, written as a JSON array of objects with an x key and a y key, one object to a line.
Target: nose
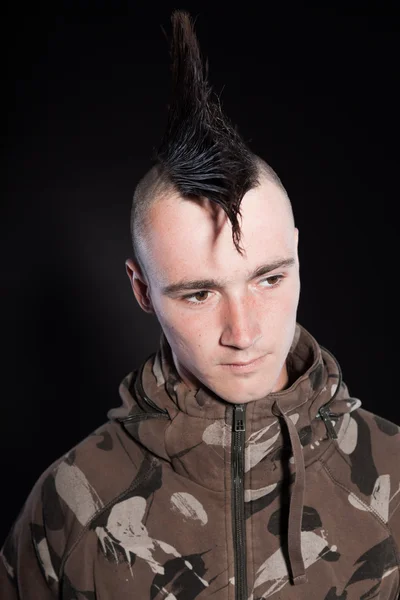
[{"x": 241, "y": 328}]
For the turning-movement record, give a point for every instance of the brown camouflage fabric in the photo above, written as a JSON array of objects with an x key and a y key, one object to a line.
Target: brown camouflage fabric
[{"x": 180, "y": 496}]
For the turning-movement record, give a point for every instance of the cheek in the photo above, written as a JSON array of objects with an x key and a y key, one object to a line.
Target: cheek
[
  {"x": 188, "y": 330},
  {"x": 183, "y": 319},
  {"x": 289, "y": 299},
  {"x": 279, "y": 312}
]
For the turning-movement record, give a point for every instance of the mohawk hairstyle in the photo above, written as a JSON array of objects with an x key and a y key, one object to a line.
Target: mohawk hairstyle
[{"x": 201, "y": 153}]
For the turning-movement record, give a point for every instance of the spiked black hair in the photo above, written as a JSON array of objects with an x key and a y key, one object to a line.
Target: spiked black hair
[{"x": 201, "y": 154}]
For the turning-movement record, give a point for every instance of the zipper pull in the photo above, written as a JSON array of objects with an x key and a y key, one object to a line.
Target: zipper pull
[
  {"x": 238, "y": 418},
  {"x": 325, "y": 415}
]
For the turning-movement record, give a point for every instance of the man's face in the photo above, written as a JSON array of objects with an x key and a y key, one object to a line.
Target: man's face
[{"x": 242, "y": 316}]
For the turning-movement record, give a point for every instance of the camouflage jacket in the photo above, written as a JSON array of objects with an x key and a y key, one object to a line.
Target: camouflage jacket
[{"x": 182, "y": 496}]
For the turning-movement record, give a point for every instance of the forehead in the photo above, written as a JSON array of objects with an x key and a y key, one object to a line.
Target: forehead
[{"x": 189, "y": 238}]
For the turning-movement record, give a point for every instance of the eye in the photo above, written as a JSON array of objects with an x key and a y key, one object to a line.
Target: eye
[
  {"x": 197, "y": 297},
  {"x": 273, "y": 281}
]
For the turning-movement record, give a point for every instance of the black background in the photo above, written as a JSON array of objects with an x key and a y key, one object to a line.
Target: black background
[{"x": 314, "y": 93}]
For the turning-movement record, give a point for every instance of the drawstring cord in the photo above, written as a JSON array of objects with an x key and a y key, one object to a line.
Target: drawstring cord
[{"x": 296, "y": 503}]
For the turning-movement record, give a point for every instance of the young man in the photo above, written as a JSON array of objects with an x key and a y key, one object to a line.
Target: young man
[{"x": 237, "y": 466}]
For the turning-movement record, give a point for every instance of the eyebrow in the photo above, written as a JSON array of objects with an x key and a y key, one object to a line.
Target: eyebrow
[{"x": 217, "y": 284}]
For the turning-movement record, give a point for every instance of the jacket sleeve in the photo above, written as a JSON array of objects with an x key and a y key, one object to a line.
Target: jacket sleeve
[{"x": 28, "y": 568}]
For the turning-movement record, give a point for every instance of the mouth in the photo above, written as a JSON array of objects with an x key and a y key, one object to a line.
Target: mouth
[{"x": 245, "y": 366}]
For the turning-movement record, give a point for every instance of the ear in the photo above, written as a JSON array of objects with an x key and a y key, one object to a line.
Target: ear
[{"x": 139, "y": 285}]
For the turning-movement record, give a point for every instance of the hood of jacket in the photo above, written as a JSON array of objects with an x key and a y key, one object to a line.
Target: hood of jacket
[{"x": 165, "y": 416}]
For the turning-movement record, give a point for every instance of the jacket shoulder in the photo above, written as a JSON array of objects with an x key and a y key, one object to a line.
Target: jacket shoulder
[
  {"x": 65, "y": 499},
  {"x": 91, "y": 475},
  {"x": 385, "y": 453},
  {"x": 383, "y": 437},
  {"x": 367, "y": 465},
  {"x": 78, "y": 486}
]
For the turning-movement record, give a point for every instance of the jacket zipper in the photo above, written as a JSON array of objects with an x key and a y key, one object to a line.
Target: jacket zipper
[{"x": 238, "y": 519}]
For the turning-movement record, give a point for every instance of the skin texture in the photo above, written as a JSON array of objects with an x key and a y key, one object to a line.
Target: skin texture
[{"x": 238, "y": 322}]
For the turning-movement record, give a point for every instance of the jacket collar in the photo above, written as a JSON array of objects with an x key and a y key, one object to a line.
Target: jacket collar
[{"x": 199, "y": 414}]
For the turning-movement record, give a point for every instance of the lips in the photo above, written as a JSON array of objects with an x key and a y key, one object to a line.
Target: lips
[{"x": 242, "y": 364}]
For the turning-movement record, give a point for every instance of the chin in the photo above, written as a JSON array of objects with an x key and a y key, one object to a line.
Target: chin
[{"x": 244, "y": 395}]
